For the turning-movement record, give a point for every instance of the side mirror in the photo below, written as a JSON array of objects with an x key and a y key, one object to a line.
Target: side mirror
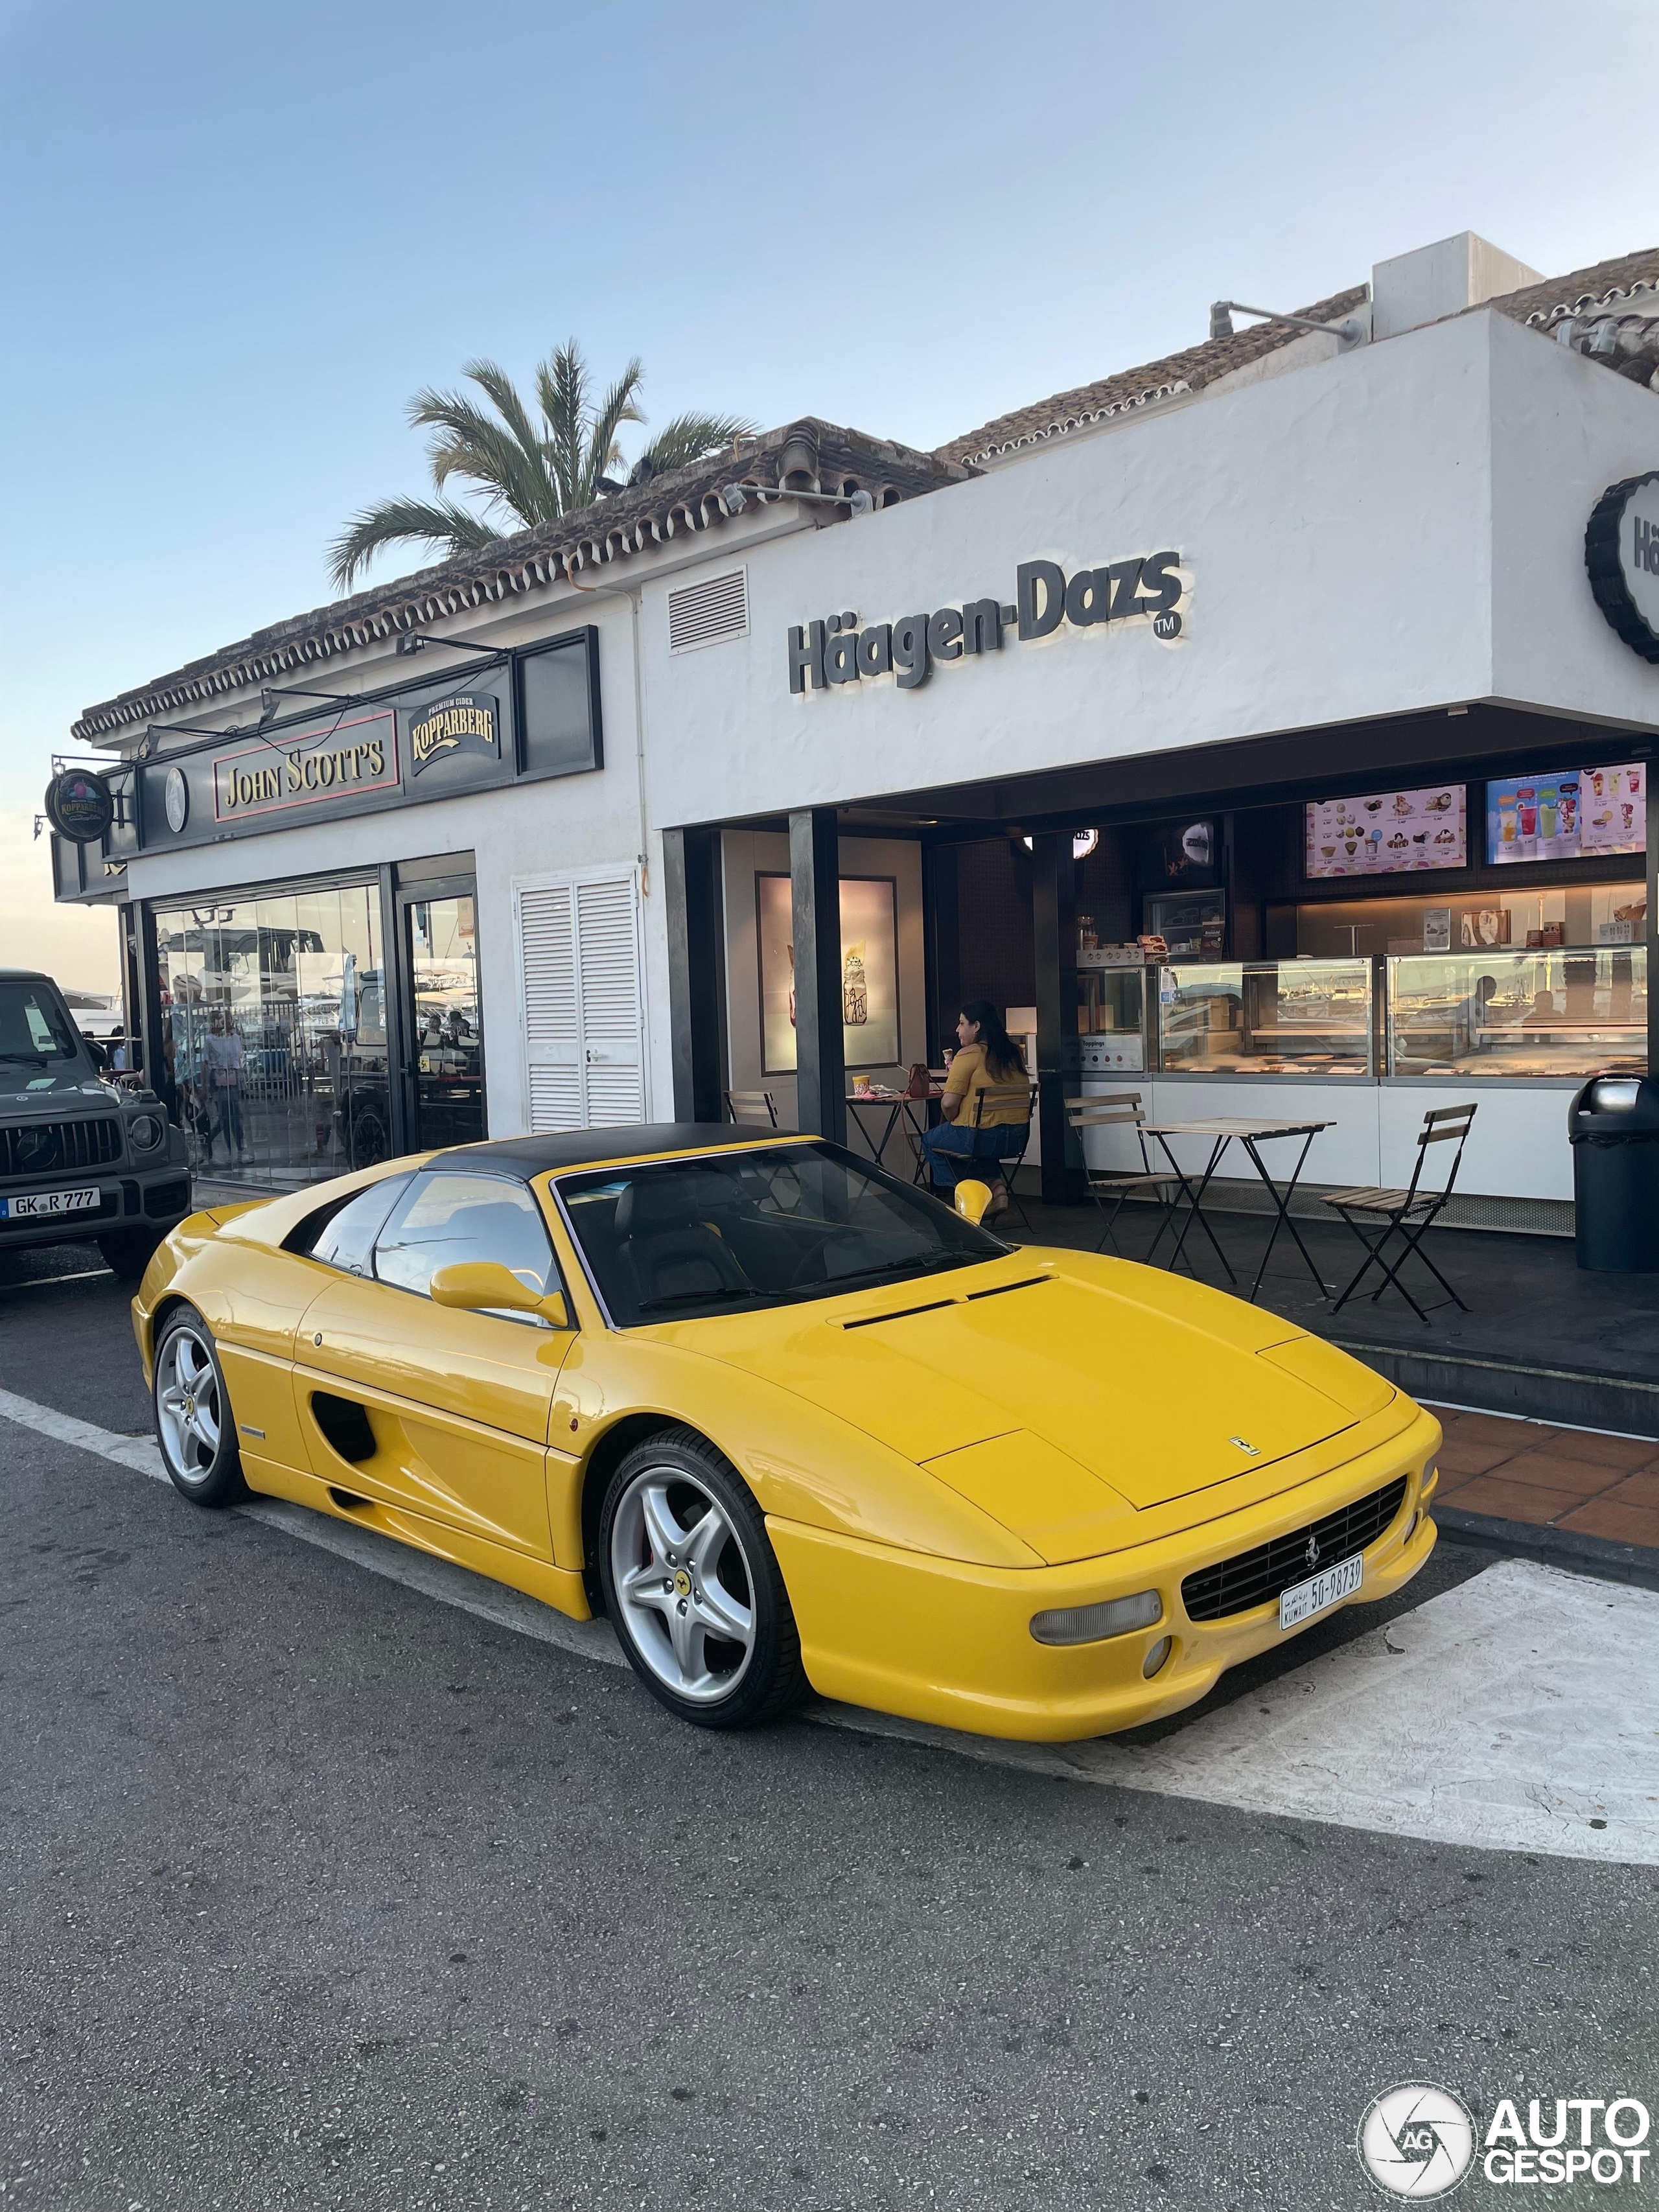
[
  {"x": 486, "y": 1286},
  {"x": 972, "y": 1198}
]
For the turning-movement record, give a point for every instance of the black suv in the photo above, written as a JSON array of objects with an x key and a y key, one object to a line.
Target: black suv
[{"x": 79, "y": 1156}]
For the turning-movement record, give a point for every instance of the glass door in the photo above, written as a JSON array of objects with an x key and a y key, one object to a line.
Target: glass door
[{"x": 444, "y": 1069}]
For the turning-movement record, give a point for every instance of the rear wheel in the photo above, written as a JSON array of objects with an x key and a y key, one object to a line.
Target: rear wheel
[
  {"x": 194, "y": 1424},
  {"x": 693, "y": 1587}
]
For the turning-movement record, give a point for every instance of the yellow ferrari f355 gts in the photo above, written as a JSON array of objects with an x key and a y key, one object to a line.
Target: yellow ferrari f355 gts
[{"x": 789, "y": 1423}]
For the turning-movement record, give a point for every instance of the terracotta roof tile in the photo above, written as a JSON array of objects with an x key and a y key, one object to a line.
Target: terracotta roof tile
[
  {"x": 1604, "y": 284},
  {"x": 1189, "y": 370},
  {"x": 827, "y": 457}
]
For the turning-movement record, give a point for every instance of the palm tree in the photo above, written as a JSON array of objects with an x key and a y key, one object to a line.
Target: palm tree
[{"x": 533, "y": 472}]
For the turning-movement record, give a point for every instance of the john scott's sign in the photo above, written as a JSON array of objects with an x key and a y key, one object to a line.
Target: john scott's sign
[
  {"x": 837, "y": 650},
  {"x": 356, "y": 756}
]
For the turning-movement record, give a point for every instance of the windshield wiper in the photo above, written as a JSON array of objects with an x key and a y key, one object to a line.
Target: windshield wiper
[
  {"x": 920, "y": 1265},
  {"x": 700, "y": 1298},
  {"x": 26, "y": 1059}
]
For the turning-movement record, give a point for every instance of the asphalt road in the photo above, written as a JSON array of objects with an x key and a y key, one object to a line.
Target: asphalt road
[{"x": 320, "y": 1893}]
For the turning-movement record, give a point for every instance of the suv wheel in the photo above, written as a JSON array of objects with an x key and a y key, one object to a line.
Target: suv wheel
[{"x": 127, "y": 1250}]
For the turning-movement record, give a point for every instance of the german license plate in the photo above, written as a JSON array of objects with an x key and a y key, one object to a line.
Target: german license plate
[
  {"x": 41, "y": 1205},
  {"x": 1320, "y": 1592}
]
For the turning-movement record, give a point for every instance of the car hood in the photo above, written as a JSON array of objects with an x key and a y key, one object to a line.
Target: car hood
[
  {"x": 26, "y": 1089},
  {"x": 1057, "y": 1390}
]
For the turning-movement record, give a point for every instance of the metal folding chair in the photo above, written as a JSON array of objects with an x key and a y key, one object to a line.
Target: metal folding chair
[
  {"x": 1375, "y": 1215},
  {"x": 998, "y": 1097},
  {"x": 1109, "y": 1187},
  {"x": 752, "y": 1106}
]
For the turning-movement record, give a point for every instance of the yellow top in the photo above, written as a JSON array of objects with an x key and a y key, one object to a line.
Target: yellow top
[{"x": 969, "y": 1075}]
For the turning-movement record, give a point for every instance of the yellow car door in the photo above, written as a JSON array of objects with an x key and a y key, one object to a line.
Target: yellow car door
[{"x": 440, "y": 1411}]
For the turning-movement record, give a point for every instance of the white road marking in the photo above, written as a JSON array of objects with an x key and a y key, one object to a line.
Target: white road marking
[{"x": 1507, "y": 1714}]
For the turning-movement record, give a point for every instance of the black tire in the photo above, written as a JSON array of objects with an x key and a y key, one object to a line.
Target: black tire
[
  {"x": 195, "y": 1426},
  {"x": 679, "y": 1598},
  {"x": 128, "y": 1251}
]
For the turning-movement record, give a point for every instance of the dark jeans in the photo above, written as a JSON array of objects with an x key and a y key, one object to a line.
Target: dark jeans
[
  {"x": 227, "y": 1123},
  {"x": 952, "y": 1152}
]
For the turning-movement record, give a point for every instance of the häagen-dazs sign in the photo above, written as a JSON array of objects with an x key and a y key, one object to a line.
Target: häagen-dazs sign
[
  {"x": 1621, "y": 552},
  {"x": 1147, "y": 590},
  {"x": 356, "y": 755}
]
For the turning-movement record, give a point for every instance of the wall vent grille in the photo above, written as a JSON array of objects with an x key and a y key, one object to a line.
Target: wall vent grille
[{"x": 704, "y": 613}]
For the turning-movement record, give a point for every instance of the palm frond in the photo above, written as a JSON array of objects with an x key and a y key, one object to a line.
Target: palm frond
[
  {"x": 690, "y": 438},
  {"x": 438, "y": 523},
  {"x": 620, "y": 404},
  {"x": 471, "y": 443},
  {"x": 561, "y": 389}
]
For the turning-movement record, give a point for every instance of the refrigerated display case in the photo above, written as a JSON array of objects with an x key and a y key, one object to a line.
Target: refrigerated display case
[
  {"x": 1559, "y": 1011},
  {"x": 1111, "y": 1013},
  {"x": 1311, "y": 1017}
]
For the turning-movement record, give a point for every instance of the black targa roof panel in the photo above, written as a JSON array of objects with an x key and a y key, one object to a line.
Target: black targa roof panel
[{"x": 526, "y": 1156}]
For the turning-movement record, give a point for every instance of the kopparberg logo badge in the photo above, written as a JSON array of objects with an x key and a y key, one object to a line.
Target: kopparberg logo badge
[{"x": 1417, "y": 2140}]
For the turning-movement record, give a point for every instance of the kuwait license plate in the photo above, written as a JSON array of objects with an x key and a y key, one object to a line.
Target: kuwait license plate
[
  {"x": 1320, "y": 1592},
  {"x": 41, "y": 1204}
]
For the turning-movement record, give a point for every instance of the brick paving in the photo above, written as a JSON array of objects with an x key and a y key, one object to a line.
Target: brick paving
[{"x": 1573, "y": 1478}]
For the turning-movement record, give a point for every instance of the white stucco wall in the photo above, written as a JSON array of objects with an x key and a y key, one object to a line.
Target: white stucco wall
[{"x": 1396, "y": 528}]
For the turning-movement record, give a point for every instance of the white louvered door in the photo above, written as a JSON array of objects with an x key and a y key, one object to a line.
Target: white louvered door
[{"x": 583, "y": 1025}]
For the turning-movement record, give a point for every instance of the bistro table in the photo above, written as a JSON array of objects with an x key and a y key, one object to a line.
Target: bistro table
[
  {"x": 1222, "y": 1131},
  {"x": 901, "y": 1107}
]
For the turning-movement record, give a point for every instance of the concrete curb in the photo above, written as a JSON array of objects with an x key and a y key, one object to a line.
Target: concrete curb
[
  {"x": 1574, "y": 1397},
  {"x": 1598, "y": 1557}
]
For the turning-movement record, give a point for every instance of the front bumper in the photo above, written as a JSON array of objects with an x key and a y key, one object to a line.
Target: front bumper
[
  {"x": 153, "y": 1198},
  {"x": 944, "y": 1641}
]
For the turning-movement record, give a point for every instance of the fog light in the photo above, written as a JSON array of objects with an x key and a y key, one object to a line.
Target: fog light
[
  {"x": 1093, "y": 1624},
  {"x": 1430, "y": 1477},
  {"x": 1155, "y": 1658}
]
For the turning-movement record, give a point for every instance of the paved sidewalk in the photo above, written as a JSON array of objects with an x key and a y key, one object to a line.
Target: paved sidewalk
[{"x": 1571, "y": 1478}]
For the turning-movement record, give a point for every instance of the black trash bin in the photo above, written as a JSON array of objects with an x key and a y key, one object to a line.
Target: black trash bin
[{"x": 1613, "y": 1125}]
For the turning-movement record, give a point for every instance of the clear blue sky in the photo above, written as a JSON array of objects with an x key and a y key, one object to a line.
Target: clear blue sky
[{"x": 238, "y": 237}]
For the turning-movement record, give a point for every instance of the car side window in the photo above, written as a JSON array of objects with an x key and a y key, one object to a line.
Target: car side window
[
  {"x": 446, "y": 1218},
  {"x": 343, "y": 1236}
]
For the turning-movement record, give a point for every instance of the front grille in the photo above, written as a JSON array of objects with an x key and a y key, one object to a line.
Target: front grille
[
  {"x": 1255, "y": 1577},
  {"x": 47, "y": 1148}
]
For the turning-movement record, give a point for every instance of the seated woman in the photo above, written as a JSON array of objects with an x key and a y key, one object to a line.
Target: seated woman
[{"x": 971, "y": 1134}]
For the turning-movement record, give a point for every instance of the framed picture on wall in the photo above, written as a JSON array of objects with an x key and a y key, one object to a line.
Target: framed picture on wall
[{"x": 869, "y": 971}]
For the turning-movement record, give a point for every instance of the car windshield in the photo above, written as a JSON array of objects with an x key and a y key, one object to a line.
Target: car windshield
[
  {"x": 33, "y": 1027},
  {"x": 738, "y": 1230}
]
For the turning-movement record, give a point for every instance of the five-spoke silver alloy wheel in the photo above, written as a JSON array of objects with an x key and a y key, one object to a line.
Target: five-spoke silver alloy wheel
[
  {"x": 684, "y": 1584},
  {"x": 188, "y": 1409}
]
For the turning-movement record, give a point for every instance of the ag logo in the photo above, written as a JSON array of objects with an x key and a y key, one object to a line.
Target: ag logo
[{"x": 1417, "y": 2140}]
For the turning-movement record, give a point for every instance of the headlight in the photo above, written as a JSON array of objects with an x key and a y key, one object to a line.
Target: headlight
[
  {"x": 145, "y": 1131},
  {"x": 1093, "y": 1624}
]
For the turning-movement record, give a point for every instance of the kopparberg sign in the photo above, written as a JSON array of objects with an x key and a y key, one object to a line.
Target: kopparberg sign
[{"x": 1148, "y": 590}]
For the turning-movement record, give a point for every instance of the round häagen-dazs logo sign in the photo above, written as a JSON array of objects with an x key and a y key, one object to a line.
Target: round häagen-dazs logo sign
[
  {"x": 80, "y": 805},
  {"x": 1417, "y": 2140},
  {"x": 1621, "y": 553}
]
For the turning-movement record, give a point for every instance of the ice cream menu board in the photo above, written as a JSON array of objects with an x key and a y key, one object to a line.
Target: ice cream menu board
[
  {"x": 1571, "y": 815},
  {"x": 1389, "y": 833}
]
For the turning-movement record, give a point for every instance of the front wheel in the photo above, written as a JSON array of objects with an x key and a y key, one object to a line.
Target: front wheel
[
  {"x": 194, "y": 1424},
  {"x": 693, "y": 1587}
]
